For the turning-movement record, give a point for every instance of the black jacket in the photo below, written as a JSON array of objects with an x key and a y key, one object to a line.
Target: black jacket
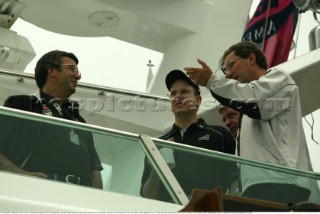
[
  {"x": 18, "y": 136},
  {"x": 198, "y": 171}
]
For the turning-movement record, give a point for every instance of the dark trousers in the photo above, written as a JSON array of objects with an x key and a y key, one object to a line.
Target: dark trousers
[{"x": 281, "y": 193}]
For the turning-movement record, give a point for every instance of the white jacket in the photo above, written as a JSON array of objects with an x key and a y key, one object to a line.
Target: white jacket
[{"x": 271, "y": 127}]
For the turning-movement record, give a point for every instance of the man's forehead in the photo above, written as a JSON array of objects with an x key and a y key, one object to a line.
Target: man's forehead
[
  {"x": 226, "y": 110},
  {"x": 181, "y": 84},
  {"x": 67, "y": 59},
  {"x": 229, "y": 57}
]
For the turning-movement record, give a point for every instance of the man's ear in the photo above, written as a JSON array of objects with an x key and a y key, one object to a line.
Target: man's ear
[
  {"x": 51, "y": 71},
  {"x": 252, "y": 58},
  {"x": 199, "y": 99}
]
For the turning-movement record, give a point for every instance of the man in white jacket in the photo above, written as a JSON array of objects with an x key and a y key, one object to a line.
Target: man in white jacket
[{"x": 271, "y": 126}]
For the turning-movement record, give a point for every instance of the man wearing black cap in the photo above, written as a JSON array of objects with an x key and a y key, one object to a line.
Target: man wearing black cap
[{"x": 192, "y": 171}]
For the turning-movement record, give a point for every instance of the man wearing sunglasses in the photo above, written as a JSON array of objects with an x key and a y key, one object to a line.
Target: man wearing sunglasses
[
  {"x": 42, "y": 149},
  {"x": 271, "y": 126}
]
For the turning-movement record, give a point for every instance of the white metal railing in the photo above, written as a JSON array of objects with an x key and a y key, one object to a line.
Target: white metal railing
[{"x": 102, "y": 89}]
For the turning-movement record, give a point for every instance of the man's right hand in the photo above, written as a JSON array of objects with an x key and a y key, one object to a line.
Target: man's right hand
[
  {"x": 36, "y": 174},
  {"x": 8, "y": 165}
]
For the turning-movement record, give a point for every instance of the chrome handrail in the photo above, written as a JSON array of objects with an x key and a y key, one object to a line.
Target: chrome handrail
[{"x": 102, "y": 89}]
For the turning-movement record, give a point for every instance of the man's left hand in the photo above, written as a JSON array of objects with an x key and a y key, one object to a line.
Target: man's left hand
[{"x": 199, "y": 75}]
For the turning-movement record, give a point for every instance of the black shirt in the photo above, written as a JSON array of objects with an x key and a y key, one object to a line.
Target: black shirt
[
  {"x": 49, "y": 148},
  {"x": 197, "y": 171}
]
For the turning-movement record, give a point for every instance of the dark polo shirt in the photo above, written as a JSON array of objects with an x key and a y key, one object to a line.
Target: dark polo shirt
[
  {"x": 197, "y": 171},
  {"x": 48, "y": 148}
]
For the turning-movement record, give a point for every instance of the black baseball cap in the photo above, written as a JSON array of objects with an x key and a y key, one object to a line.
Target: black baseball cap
[{"x": 175, "y": 75}]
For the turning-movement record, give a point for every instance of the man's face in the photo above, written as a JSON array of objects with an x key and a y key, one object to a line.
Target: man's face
[
  {"x": 230, "y": 118},
  {"x": 237, "y": 68},
  {"x": 183, "y": 98},
  {"x": 68, "y": 77}
]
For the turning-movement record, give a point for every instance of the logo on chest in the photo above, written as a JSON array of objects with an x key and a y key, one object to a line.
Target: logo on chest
[{"x": 204, "y": 138}]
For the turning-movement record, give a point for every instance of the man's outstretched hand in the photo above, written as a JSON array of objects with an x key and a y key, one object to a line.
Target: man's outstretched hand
[{"x": 199, "y": 75}]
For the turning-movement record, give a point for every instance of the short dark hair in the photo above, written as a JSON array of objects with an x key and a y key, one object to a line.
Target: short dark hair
[
  {"x": 51, "y": 59},
  {"x": 243, "y": 50}
]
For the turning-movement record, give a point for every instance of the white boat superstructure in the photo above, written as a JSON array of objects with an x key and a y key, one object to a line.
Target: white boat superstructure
[
  {"x": 180, "y": 36},
  {"x": 183, "y": 30}
]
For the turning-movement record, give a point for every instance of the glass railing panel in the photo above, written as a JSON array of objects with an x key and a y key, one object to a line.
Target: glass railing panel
[
  {"x": 193, "y": 168},
  {"x": 205, "y": 169},
  {"x": 121, "y": 153},
  {"x": 125, "y": 160}
]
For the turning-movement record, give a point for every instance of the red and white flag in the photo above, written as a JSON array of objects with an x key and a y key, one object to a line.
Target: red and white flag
[{"x": 272, "y": 27}]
